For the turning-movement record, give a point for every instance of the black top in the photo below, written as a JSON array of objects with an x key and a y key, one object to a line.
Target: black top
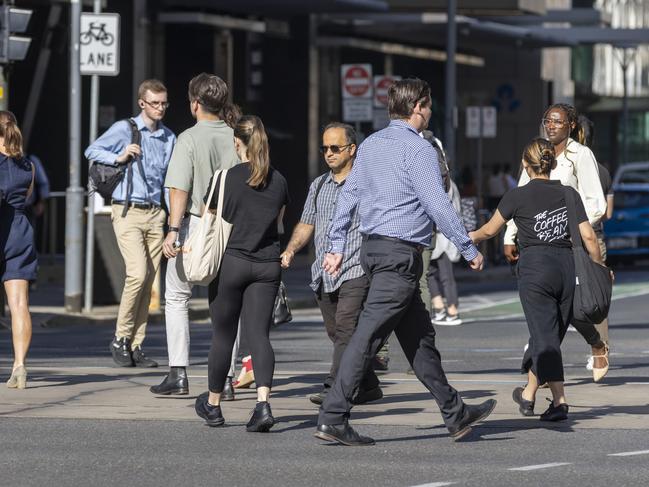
[
  {"x": 605, "y": 179},
  {"x": 253, "y": 213},
  {"x": 539, "y": 211}
]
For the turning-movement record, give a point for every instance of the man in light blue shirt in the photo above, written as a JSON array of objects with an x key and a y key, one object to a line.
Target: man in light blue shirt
[
  {"x": 397, "y": 189},
  {"x": 138, "y": 216}
]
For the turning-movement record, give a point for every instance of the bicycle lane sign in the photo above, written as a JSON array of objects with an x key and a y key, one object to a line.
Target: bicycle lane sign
[{"x": 99, "y": 44}]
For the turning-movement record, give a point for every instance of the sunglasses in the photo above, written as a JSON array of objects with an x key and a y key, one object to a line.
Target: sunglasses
[{"x": 335, "y": 149}]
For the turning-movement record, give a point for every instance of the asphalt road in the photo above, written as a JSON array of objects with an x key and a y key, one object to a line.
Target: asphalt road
[{"x": 598, "y": 446}]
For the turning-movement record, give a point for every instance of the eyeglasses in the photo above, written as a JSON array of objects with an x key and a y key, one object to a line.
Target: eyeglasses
[
  {"x": 157, "y": 104},
  {"x": 547, "y": 122},
  {"x": 335, "y": 149}
]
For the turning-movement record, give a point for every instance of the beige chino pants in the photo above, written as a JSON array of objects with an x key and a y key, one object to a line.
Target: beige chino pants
[{"x": 139, "y": 236}]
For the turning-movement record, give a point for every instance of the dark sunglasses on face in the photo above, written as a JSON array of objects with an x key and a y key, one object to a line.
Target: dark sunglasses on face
[{"x": 335, "y": 149}]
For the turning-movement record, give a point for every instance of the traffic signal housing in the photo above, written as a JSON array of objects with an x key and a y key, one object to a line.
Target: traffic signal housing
[{"x": 13, "y": 20}]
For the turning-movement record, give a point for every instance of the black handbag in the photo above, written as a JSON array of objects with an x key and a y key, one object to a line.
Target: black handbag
[
  {"x": 104, "y": 178},
  {"x": 594, "y": 284},
  {"x": 281, "y": 311}
]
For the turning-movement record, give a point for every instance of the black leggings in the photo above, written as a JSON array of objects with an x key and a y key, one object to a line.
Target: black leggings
[{"x": 247, "y": 289}]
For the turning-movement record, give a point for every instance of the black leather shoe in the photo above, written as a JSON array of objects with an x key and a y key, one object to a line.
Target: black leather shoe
[
  {"x": 380, "y": 364},
  {"x": 472, "y": 414},
  {"x": 525, "y": 407},
  {"x": 343, "y": 434},
  {"x": 555, "y": 413},
  {"x": 262, "y": 418},
  {"x": 228, "y": 391},
  {"x": 120, "y": 348},
  {"x": 364, "y": 397},
  {"x": 211, "y": 414},
  {"x": 175, "y": 382},
  {"x": 319, "y": 398},
  {"x": 141, "y": 360}
]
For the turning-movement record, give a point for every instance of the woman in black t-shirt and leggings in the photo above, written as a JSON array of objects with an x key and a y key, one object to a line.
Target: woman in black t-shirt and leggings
[
  {"x": 247, "y": 283},
  {"x": 546, "y": 271}
]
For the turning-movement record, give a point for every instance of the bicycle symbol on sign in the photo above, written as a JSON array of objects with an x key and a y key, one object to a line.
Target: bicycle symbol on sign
[{"x": 96, "y": 32}]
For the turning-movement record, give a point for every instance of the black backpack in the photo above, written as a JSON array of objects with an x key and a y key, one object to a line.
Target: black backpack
[{"x": 104, "y": 178}]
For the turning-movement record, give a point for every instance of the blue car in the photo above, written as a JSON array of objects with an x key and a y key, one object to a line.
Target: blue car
[{"x": 627, "y": 232}]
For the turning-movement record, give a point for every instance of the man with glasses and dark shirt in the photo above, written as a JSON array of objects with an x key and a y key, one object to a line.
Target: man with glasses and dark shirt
[
  {"x": 339, "y": 297},
  {"x": 397, "y": 189},
  {"x": 137, "y": 214}
]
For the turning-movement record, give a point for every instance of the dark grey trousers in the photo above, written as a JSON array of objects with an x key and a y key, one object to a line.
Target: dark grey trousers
[
  {"x": 340, "y": 311},
  {"x": 393, "y": 304}
]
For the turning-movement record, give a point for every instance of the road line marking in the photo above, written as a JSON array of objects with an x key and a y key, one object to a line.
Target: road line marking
[
  {"x": 435, "y": 484},
  {"x": 629, "y": 453},
  {"x": 539, "y": 467},
  {"x": 638, "y": 383}
]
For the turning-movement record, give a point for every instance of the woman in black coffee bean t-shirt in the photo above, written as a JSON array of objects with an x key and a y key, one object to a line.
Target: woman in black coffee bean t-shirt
[
  {"x": 254, "y": 199},
  {"x": 546, "y": 271}
]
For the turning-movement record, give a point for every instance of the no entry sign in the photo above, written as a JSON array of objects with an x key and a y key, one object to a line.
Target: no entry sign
[
  {"x": 356, "y": 80},
  {"x": 382, "y": 84}
]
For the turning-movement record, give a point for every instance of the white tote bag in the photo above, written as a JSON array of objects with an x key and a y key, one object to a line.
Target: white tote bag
[{"x": 203, "y": 250}]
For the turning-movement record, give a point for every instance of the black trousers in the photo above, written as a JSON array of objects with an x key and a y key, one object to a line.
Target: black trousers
[
  {"x": 340, "y": 310},
  {"x": 393, "y": 304},
  {"x": 243, "y": 289},
  {"x": 546, "y": 285},
  {"x": 441, "y": 280}
]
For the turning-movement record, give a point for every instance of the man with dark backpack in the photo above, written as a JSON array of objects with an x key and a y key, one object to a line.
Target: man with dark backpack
[
  {"x": 340, "y": 298},
  {"x": 133, "y": 155}
]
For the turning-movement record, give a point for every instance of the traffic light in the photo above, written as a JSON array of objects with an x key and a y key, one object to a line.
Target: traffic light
[{"x": 13, "y": 20}]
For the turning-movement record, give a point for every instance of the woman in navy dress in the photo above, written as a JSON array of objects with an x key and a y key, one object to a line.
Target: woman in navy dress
[{"x": 18, "y": 265}]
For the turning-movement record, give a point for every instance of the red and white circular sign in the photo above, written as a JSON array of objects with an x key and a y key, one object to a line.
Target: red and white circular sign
[
  {"x": 357, "y": 81},
  {"x": 381, "y": 86}
]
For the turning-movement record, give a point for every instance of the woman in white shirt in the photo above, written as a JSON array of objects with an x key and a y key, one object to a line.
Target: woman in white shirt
[{"x": 576, "y": 166}]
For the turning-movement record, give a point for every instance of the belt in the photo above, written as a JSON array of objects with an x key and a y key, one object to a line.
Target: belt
[
  {"x": 134, "y": 204},
  {"x": 373, "y": 236}
]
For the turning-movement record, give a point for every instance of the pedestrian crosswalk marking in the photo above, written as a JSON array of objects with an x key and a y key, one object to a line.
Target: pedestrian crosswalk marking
[
  {"x": 539, "y": 467},
  {"x": 629, "y": 453}
]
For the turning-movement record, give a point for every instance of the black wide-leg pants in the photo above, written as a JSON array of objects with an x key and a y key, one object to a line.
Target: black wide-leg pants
[
  {"x": 546, "y": 285},
  {"x": 393, "y": 304}
]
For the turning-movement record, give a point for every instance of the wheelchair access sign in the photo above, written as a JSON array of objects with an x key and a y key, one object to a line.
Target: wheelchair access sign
[{"x": 99, "y": 44}]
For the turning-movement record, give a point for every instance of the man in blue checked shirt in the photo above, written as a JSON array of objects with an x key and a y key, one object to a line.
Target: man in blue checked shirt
[
  {"x": 339, "y": 297},
  {"x": 396, "y": 187},
  {"x": 139, "y": 231}
]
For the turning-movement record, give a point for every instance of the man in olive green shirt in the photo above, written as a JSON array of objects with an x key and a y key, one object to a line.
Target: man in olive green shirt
[{"x": 199, "y": 152}]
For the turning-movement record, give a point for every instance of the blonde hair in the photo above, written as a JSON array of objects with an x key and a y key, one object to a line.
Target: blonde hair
[
  {"x": 152, "y": 85},
  {"x": 250, "y": 130},
  {"x": 539, "y": 156},
  {"x": 13, "y": 138}
]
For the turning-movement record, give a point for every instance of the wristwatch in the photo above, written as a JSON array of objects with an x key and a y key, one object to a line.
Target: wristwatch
[{"x": 174, "y": 229}]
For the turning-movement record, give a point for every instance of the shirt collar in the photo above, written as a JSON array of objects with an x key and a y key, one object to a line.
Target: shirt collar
[
  {"x": 403, "y": 125},
  {"x": 139, "y": 121},
  {"x": 330, "y": 179}
]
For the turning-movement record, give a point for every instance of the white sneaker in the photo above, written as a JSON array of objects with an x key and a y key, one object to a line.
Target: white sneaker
[
  {"x": 439, "y": 316},
  {"x": 451, "y": 320},
  {"x": 589, "y": 364}
]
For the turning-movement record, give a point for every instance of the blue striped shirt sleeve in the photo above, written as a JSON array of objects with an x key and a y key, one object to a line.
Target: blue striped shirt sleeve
[
  {"x": 429, "y": 188},
  {"x": 309, "y": 211}
]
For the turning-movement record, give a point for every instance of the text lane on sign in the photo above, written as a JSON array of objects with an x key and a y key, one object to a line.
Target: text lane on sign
[{"x": 99, "y": 44}]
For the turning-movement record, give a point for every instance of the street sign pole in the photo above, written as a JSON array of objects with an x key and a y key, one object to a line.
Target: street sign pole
[
  {"x": 90, "y": 231},
  {"x": 74, "y": 192}
]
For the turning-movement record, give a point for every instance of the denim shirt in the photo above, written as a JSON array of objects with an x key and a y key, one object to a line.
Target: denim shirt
[{"x": 156, "y": 146}]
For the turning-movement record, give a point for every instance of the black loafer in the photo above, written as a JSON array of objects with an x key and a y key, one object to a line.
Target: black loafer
[
  {"x": 262, "y": 418},
  {"x": 555, "y": 413},
  {"x": 211, "y": 414},
  {"x": 525, "y": 407},
  {"x": 472, "y": 414},
  {"x": 343, "y": 434},
  {"x": 175, "y": 382},
  {"x": 228, "y": 391},
  {"x": 141, "y": 360},
  {"x": 364, "y": 397}
]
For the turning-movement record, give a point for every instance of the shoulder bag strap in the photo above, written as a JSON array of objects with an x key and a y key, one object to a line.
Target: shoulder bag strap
[
  {"x": 219, "y": 206},
  {"x": 572, "y": 218},
  {"x": 323, "y": 178},
  {"x": 135, "y": 139},
  {"x": 215, "y": 178}
]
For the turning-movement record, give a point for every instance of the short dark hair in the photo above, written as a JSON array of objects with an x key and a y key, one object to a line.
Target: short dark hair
[
  {"x": 404, "y": 95},
  {"x": 209, "y": 91},
  {"x": 350, "y": 133}
]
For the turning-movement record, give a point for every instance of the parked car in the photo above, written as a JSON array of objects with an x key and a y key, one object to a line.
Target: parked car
[
  {"x": 632, "y": 173},
  {"x": 627, "y": 232}
]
